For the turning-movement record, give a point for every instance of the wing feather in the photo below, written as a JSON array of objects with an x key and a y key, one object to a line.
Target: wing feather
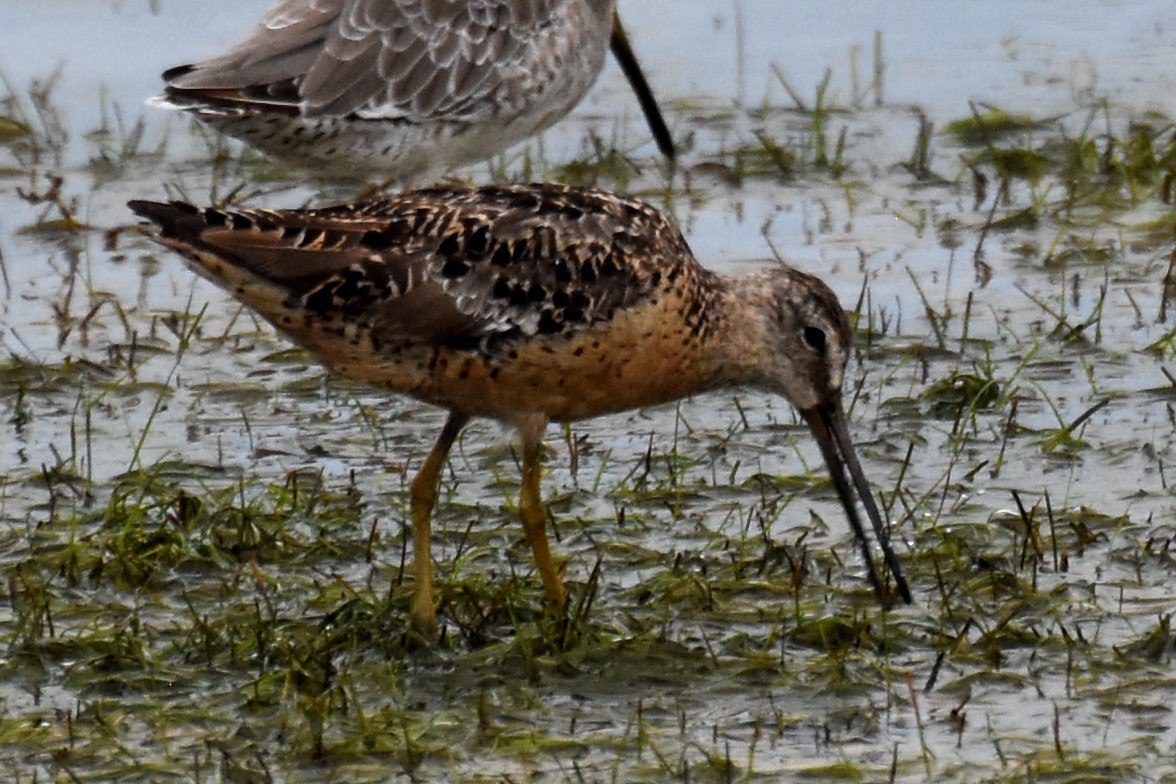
[
  {"x": 378, "y": 58},
  {"x": 477, "y": 269}
]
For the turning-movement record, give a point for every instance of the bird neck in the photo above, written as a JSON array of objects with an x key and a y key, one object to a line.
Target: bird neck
[{"x": 743, "y": 307}]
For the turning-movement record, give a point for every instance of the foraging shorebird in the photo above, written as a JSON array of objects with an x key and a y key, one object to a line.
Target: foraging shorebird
[
  {"x": 406, "y": 89},
  {"x": 528, "y": 304}
]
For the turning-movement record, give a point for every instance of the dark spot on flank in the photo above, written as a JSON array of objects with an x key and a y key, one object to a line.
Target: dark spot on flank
[
  {"x": 351, "y": 288},
  {"x": 322, "y": 299},
  {"x": 451, "y": 245},
  {"x": 479, "y": 242},
  {"x": 562, "y": 273},
  {"x": 376, "y": 240},
  {"x": 501, "y": 257},
  {"x": 579, "y": 352},
  {"x": 421, "y": 217},
  {"x": 454, "y": 268},
  {"x": 547, "y": 323},
  {"x": 519, "y": 297},
  {"x": 463, "y": 342}
]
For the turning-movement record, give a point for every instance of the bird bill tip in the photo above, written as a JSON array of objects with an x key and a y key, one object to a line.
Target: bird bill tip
[{"x": 827, "y": 422}]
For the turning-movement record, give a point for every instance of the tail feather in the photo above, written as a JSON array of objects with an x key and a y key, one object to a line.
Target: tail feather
[
  {"x": 184, "y": 227},
  {"x": 177, "y": 219}
]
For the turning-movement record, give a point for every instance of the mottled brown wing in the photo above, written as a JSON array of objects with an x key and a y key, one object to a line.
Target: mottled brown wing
[
  {"x": 533, "y": 260},
  {"x": 375, "y": 58},
  {"x": 475, "y": 269}
]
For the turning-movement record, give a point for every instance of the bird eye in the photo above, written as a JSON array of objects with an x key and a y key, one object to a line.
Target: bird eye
[{"x": 815, "y": 338}]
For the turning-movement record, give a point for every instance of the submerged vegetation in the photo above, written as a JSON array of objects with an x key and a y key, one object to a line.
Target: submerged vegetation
[{"x": 205, "y": 549}]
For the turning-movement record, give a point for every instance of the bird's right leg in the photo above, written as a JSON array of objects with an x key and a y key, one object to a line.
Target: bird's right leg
[
  {"x": 534, "y": 515},
  {"x": 422, "y": 499}
]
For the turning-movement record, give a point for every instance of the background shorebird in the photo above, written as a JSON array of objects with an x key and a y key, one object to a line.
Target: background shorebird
[
  {"x": 528, "y": 304},
  {"x": 406, "y": 89}
]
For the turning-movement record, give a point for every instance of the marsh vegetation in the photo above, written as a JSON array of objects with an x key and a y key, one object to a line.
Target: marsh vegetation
[{"x": 204, "y": 534}]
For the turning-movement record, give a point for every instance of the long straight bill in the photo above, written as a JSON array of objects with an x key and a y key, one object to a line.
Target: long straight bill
[
  {"x": 828, "y": 425},
  {"x": 632, "y": 70}
]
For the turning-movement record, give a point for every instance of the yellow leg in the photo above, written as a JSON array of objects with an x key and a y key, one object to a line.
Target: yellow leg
[
  {"x": 534, "y": 516},
  {"x": 423, "y": 497}
]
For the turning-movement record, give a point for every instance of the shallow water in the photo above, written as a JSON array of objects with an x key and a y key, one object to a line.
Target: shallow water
[{"x": 728, "y": 670}]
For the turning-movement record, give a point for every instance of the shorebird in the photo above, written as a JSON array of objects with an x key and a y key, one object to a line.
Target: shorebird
[
  {"x": 529, "y": 304},
  {"x": 406, "y": 89}
]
